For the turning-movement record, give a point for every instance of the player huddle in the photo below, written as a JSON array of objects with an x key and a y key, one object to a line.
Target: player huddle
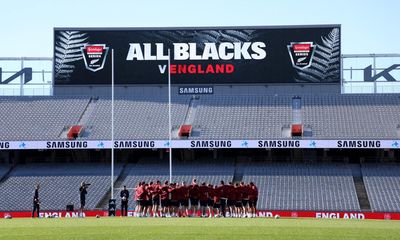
[{"x": 180, "y": 200}]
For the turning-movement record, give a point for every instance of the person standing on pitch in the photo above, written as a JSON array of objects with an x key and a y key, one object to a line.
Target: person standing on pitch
[
  {"x": 155, "y": 198},
  {"x": 194, "y": 197},
  {"x": 183, "y": 191},
  {"x": 36, "y": 202},
  {"x": 83, "y": 192},
  {"x": 124, "y": 194},
  {"x": 203, "y": 197},
  {"x": 253, "y": 196},
  {"x": 165, "y": 200},
  {"x": 223, "y": 197}
]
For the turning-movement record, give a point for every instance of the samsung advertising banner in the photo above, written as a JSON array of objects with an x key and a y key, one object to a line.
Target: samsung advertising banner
[
  {"x": 231, "y": 55},
  {"x": 202, "y": 144}
]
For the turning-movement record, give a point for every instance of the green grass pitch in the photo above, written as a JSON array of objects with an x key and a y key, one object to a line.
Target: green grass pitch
[{"x": 197, "y": 228}]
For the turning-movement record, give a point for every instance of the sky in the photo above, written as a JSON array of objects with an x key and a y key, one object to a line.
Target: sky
[{"x": 368, "y": 26}]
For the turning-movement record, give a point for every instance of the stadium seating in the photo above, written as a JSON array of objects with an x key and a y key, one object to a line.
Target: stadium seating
[
  {"x": 59, "y": 185},
  {"x": 290, "y": 186},
  {"x": 303, "y": 186},
  {"x": 382, "y": 182},
  {"x": 38, "y": 118},
  {"x": 3, "y": 170},
  {"x": 329, "y": 116},
  {"x": 229, "y": 116},
  {"x": 360, "y": 116},
  {"x": 237, "y": 116},
  {"x": 140, "y": 117}
]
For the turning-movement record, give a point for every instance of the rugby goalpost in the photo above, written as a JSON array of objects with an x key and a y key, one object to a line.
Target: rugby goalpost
[{"x": 112, "y": 120}]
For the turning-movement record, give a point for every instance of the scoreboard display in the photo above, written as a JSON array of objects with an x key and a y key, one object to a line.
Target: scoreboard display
[{"x": 229, "y": 55}]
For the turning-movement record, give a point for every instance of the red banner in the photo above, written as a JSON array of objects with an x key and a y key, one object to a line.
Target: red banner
[
  {"x": 266, "y": 214},
  {"x": 54, "y": 214},
  {"x": 333, "y": 214}
]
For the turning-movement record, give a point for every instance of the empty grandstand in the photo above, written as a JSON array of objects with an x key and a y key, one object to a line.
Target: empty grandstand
[
  {"x": 303, "y": 187},
  {"x": 382, "y": 183},
  {"x": 59, "y": 185},
  {"x": 39, "y": 118},
  {"x": 229, "y": 116}
]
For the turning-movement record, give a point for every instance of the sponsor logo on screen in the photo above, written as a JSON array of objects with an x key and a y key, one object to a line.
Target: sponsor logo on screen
[
  {"x": 196, "y": 90},
  {"x": 301, "y": 54},
  {"x": 199, "y": 56},
  {"x": 94, "y": 56},
  {"x": 189, "y": 51}
]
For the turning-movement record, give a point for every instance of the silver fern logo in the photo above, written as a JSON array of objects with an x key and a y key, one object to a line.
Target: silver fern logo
[
  {"x": 67, "y": 50},
  {"x": 301, "y": 54},
  {"x": 94, "y": 56},
  {"x": 325, "y": 65}
]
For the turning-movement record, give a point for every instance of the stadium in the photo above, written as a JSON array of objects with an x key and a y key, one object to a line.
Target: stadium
[{"x": 280, "y": 107}]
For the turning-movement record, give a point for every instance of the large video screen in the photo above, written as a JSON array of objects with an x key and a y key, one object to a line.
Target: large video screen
[{"x": 237, "y": 55}]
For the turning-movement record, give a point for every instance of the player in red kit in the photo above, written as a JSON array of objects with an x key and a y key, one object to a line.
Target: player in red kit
[
  {"x": 210, "y": 201},
  {"x": 203, "y": 197},
  {"x": 155, "y": 198},
  {"x": 147, "y": 203},
  {"x": 238, "y": 198},
  {"x": 144, "y": 199},
  {"x": 139, "y": 199},
  {"x": 183, "y": 193},
  {"x": 174, "y": 199},
  {"x": 164, "y": 199},
  {"x": 231, "y": 199},
  {"x": 194, "y": 197},
  {"x": 253, "y": 195},
  {"x": 245, "y": 198},
  {"x": 217, "y": 201},
  {"x": 223, "y": 191}
]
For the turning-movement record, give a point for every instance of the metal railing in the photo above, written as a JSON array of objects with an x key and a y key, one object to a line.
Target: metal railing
[
  {"x": 38, "y": 83},
  {"x": 355, "y": 68}
]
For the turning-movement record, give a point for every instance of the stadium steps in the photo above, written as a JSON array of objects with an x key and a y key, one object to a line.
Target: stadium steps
[
  {"x": 103, "y": 203},
  {"x": 4, "y": 177},
  {"x": 191, "y": 111},
  {"x": 86, "y": 115},
  {"x": 189, "y": 118},
  {"x": 240, "y": 166},
  {"x": 237, "y": 177},
  {"x": 361, "y": 194},
  {"x": 83, "y": 118}
]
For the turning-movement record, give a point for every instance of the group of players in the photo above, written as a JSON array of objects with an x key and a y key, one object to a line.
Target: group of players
[{"x": 181, "y": 200}]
